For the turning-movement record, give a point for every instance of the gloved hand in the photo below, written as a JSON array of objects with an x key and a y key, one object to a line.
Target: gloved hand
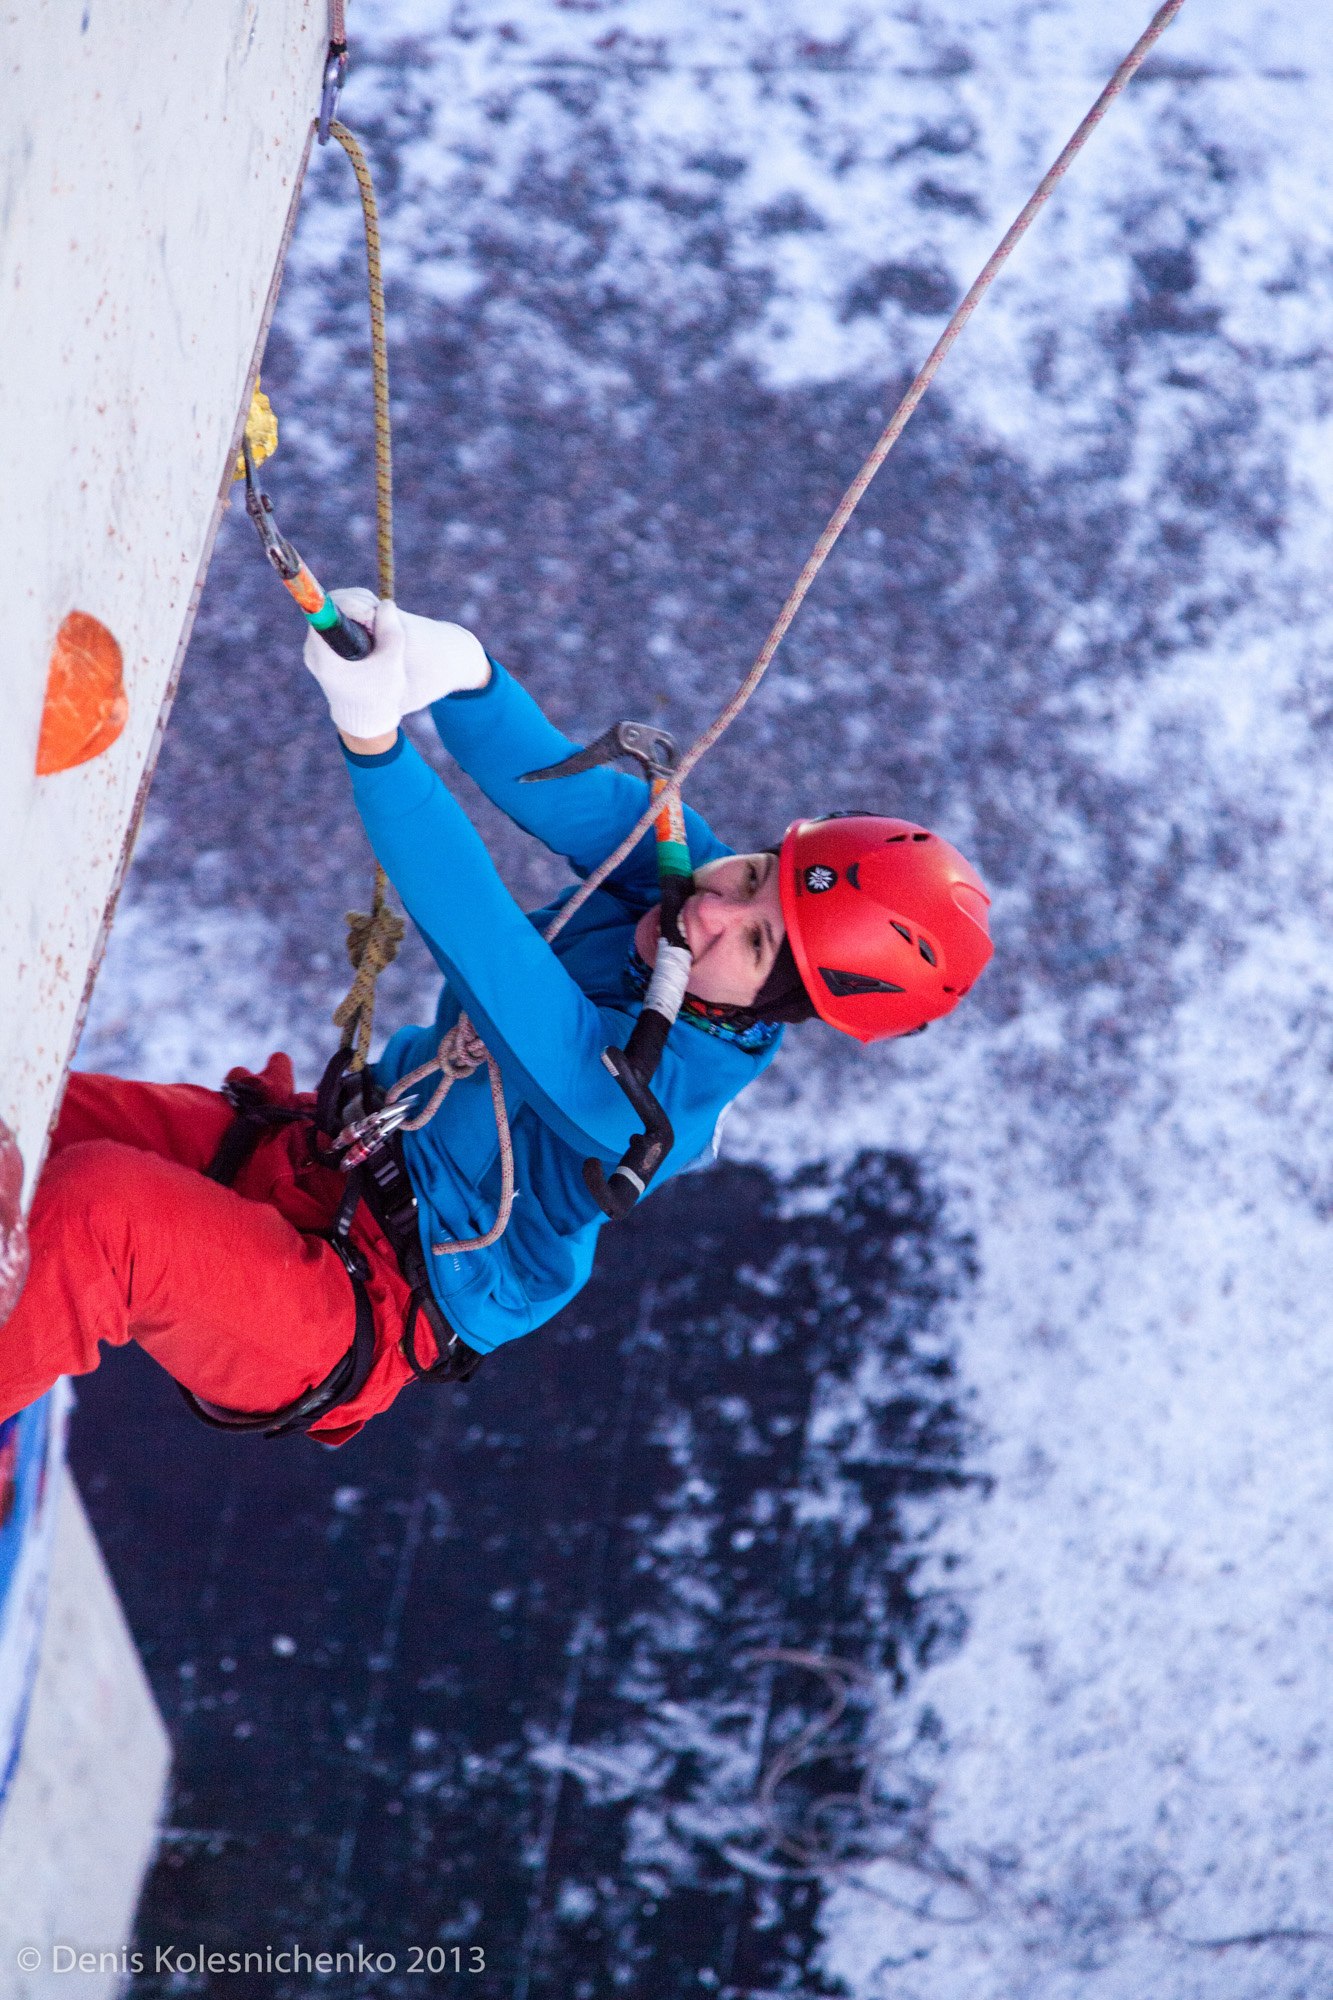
[
  {"x": 441, "y": 658},
  {"x": 367, "y": 697}
]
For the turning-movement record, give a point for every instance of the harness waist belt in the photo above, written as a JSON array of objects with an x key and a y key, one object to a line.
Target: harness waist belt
[
  {"x": 387, "y": 1190},
  {"x": 383, "y": 1182}
]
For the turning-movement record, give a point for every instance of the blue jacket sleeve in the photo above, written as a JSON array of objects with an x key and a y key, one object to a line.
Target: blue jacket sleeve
[
  {"x": 536, "y": 1021},
  {"x": 498, "y": 733}
]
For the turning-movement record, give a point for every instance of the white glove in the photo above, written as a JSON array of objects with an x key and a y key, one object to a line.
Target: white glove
[
  {"x": 366, "y": 697},
  {"x": 441, "y": 658}
]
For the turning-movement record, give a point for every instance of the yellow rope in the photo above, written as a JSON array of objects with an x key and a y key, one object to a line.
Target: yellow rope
[
  {"x": 372, "y": 938},
  {"x": 379, "y": 359}
]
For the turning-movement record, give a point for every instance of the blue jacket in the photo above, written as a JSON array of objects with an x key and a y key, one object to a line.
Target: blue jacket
[{"x": 545, "y": 1012}]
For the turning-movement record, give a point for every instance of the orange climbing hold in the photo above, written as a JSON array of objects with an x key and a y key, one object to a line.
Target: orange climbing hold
[{"x": 86, "y": 706}]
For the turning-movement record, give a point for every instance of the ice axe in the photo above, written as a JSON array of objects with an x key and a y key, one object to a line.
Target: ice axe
[
  {"x": 633, "y": 1067},
  {"x": 350, "y": 640}
]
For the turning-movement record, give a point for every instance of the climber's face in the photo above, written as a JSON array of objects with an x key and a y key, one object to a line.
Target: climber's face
[{"x": 733, "y": 926}]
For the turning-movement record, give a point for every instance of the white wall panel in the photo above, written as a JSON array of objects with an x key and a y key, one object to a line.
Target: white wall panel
[{"x": 150, "y": 152}]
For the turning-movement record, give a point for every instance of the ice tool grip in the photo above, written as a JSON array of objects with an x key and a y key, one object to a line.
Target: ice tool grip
[
  {"x": 345, "y": 636},
  {"x": 675, "y": 871},
  {"x": 616, "y": 1193},
  {"x": 341, "y": 634},
  {"x": 635, "y": 1065}
]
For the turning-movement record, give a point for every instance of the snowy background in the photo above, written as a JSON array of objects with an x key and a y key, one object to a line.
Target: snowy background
[{"x": 1006, "y": 1347}]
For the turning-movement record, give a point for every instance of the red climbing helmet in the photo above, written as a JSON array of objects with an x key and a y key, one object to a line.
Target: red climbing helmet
[{"x": 887, "y": 922}]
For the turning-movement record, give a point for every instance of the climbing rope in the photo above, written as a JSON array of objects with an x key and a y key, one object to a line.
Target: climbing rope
[
  {"x": 379, "y": 358},
  {"x": 373, "y": 937},
  {"x": 461, "y": 1050},
  {"x": 884, "y": 444},
  {"x": 846, "y": 1836}
]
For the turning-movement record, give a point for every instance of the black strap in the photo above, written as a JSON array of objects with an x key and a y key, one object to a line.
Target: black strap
[
  {"x": 393, "y": 1204},
  {"x": 331, "y": 1108},
  {"x": 344, "y": 1381},
  {"x": 254, "y": 1116},
  {"x": 454, "y": 1360}
]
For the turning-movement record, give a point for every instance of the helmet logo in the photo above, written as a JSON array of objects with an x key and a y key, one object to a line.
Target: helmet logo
[{"x": 819, "y": 877}]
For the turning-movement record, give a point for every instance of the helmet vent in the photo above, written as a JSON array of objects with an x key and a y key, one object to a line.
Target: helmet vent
[
  {"x": 926, "y": 952},
  {"x": 842, "y": 984},
  {"x": 894, "y": 836},
  {"x": 901, "y": 929},
  {"x": 853, "y": 873},
  {"x": 921, "y": 836}
]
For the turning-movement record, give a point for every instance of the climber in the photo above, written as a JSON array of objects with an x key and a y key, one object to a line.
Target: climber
[{"x": 218, "y": 1229}]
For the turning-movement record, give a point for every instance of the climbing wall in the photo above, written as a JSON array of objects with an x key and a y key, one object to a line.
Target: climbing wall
[{"x": 150, "y": 157}]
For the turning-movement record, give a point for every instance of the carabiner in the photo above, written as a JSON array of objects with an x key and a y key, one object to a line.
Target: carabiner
[
  {"x": 365, "y": 1136},
  {"x": 335, "y": 75}
]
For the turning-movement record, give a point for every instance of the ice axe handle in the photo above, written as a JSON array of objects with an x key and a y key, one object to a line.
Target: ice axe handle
[
  {"x": 341, "y": 634},
  {"x": 348, "y": 639},
  {"x": 616, "y": 1193}
]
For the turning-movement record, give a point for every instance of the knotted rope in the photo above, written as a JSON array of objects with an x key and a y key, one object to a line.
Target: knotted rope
[
  {"x": 373, "y": 939},
  {"x": 462, "y": 1051}
]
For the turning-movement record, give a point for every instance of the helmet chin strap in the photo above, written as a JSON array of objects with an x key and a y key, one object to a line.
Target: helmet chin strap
[{"x": 782, "y": 997}]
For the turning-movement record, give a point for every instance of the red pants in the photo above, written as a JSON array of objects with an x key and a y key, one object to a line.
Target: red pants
[{"x": 232, "y": 1290}]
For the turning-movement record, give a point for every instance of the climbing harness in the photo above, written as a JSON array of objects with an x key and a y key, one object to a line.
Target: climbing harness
[
  {"x": 362, "y": 1136},
  {"x": 372, "y": 939},
  {"x": 256, "y": 1117},
  {"x": 347, "y": 1107}
]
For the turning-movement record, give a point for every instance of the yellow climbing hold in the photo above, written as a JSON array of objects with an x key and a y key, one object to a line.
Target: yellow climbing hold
[{"x": 261, "y": 427}]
